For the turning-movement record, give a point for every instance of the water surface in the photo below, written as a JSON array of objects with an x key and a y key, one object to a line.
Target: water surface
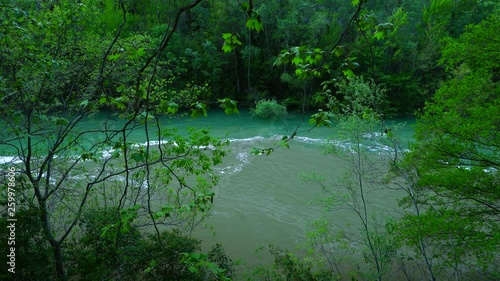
[{"x": 261, "y": 199}]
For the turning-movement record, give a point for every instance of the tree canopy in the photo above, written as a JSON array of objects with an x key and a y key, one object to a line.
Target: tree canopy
[{"x": 96, "y": 204}]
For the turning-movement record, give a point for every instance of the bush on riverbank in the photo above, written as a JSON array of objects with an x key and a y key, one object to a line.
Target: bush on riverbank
[{"x": 269, "y": 109}]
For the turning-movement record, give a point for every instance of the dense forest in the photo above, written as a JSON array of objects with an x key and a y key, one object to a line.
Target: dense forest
[{"x": 91, "y": 204}]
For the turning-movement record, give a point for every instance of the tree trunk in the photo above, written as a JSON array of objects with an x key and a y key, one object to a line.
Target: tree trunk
[
  {"x": 59, "y": 261},
  {"x": 249, "y": 57},
  {"x": 236, "y": 73}
]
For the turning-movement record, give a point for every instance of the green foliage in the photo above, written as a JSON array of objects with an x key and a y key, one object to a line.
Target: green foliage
[
  {"x": 305, "y": 60},
  {"x": 269, "y": 109},
  {"x": 486, "y": 52},
  {"x": 322, "y": 118},
  {"x": 289, "y": 267},
  {"x": 358, "y": 118},
  {"x": 229, "y": 106},
  {"x": 456, "y": 156},
  {"x": 57, "y": 70},
  {"x": 33, "y": 254},
  {"x": 167, "y": 253},
  {"x": 101, "y": 249},
  {"x": 62, "y": 61},
  {"x": 128, "y": 255},
  {"x": 255, "y": 24},
  {"x": 217, "y": 255},
  {"x": 326, "y": 246},
  {"x": 349, "y": 97},
  {"x": 360, "y": 98},
  {"x": 231, "y": 42},
  {"x": 59, "y": 62},
  {"x": 198, "y": 263}
]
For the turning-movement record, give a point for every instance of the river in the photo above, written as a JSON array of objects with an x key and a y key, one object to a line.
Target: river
[{"x": 263, "y": 199}]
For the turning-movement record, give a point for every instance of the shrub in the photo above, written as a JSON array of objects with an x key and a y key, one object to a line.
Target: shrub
[
  {"x": 94, "y": 256},
  {"x": 129, "y": 255},
  {"x": 269, "y": 109},
  {"x": 33, "y": 254}
]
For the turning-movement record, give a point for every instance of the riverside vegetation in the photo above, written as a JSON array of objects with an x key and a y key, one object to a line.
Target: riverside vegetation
[{"x": 99, "y": 203}]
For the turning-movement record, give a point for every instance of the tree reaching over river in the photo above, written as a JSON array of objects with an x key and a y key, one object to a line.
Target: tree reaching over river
[
  {"x": 56, "y": 74},
  {"x": 456, "y": 158}
]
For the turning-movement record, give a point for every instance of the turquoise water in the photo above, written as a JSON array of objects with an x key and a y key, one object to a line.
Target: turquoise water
[{"x": 262, "y": 200}]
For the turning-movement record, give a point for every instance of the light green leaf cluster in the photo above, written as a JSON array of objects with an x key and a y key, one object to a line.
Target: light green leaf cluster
[
  {"x": 255, "y": 24},
  {"x": 229, "y": 106},
  {"x": 231, "y": 42},
  {"x": 322, "y": 118}
]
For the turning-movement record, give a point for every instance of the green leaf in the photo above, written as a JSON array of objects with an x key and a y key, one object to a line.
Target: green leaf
[
  {"x": 117, "y": 145},
  {"x": 158, "y": 215},
  {"x": 103, "y": 100},
  {"x": 338, "y": 51},
  {"x": 138, "y": 156},
  {"x": 349, "y": 73},
  {"x": 297, "y": 60},
  {"x": 226, "y": 48},
  {"x": 60, "y": 121},
  {"x": 229, "y": 106},
  {"x": 120, "y": 88},
  {"x": 256, "y": 151},
  {"x": 226, "y": 36},
  {"x": 244, "y": 6},
  {"x": 198, "y": 110},
  {"x": 172, "y": 108},
  {"x": 230, "y": 42},
  {"x": 285, "y": 144},
  {"x": 322, "y": 118},
  {"x": 114, "y": 57},
  {"x": 255, "y": 24},
  {"x": 104, "y": 230},
  {"x": 355, "y": 2},
  {"x": 86, "y": 156},
  {"x": 379, "y": 35},
  {"x": 115, "y": 154},
  {"x": 140, "y": 52}
]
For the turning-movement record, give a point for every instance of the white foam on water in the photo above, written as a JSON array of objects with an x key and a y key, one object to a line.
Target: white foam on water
[
  {"x": 172, "y": 143},
  {"x": 230, "y": 170},
  {"x": 252, "y": 139},
  {"x": 243, "y": 157},
  {"x": 108, "y": 152},
  {"x": 155, "y": 143},
  {"x": 144, "y": 184},
  {"x": 310, "y": 140},
  {"x": 9, "y": 160},
  {"x": 373, "y": 135}
]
